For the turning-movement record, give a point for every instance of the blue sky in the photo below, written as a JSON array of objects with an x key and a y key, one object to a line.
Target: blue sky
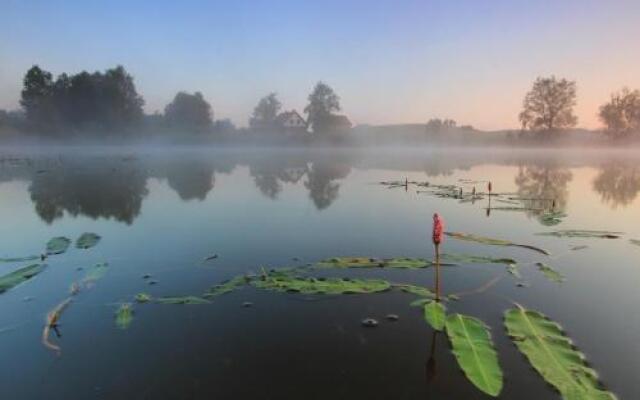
[{"x": 390, "y": 61}]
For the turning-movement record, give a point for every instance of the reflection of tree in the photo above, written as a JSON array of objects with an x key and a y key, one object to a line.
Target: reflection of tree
[
  {"x": 101, "y": 191},
  {"x": 320, "y": 182},
  {"x": 618, "y": 183},
  {"x": 269, "y": 174},
  {"x": 544, "y": 184},
  {"x": 191, "y": 179}
]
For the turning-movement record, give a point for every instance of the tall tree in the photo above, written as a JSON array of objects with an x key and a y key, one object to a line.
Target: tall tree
[
  {"x": 265, "y": 113},
  {"x": 189, "y": 112},
  {"x": 548, "y": 107},
  {"x": 323, "y": 102},
  {"x": 36, "y": 97},
  {"x": 621, "y": 114}
]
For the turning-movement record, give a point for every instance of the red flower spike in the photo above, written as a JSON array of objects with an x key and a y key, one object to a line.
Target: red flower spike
[{"x": 438, "y": 228}]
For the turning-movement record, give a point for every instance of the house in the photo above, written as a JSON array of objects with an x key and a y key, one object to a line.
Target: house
[{"x": 291, "y": 121}]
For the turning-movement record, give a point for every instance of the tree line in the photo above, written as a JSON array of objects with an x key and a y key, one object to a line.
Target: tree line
[{"x": 109, "y": 102}]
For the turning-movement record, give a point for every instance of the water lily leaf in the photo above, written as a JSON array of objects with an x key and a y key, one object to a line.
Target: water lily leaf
[
  {"x": 435, "y": 313},
  {"x": 550, "y": 273},
  {"x": 493, "y": 242},
  {"x": 420, "y": 302},
  {"x": 228, "y": 286},
  {"x": 473, "y": 348},
  {"x": 551, "y": 218},
  {"x": 473, "y": 259},
  {"x": 182, "y": 300},
  {"x": 87, "y": 240},
  {"x": 321, "y": 285},
  {"x": 20, "y": 275},
  {"x": 417, "y": 290},
  {"x": 95, "y": 273},
  {"x": 19, "y": 259},
  {"x": 553, "y": 355},
  {"x": 143, "y": 298},
  {"x": 58, "y": 245},
  {"x": 575, "y": 233},
  {"x": 514, "y": 270},
  {"x": 366, "y": 262},
  {"x": 124, "y": 316}
]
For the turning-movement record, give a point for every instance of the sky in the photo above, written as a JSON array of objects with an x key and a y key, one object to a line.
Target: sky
[{"x": 389, "y": 61}]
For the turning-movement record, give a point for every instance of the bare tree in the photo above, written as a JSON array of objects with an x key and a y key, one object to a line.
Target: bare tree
[
  {"x": 621, "y": 114},
  {"x": 548, "y": 106}
]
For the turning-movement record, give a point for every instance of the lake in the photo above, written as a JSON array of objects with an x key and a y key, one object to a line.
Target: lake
[{"x": 176, "y": 222}]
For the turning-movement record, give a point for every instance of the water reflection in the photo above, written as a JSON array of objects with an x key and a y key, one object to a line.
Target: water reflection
[
  {"x": 321, "y": 181},
  {"x": 618, "y": 183},
  {"x": 269, "y": 174},
  {"x": 544, "y": 186}
]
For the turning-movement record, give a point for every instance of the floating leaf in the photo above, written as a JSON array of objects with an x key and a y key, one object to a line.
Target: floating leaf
[
  {"x": 553, "y": 355},
  {"x": 143, "y": 297},
  {"x": 576, "y": 248},
  {"x": 575, "y": 233},
  {"x": 87, "y": 240},
  {"x": 124, "y": 316},
  {"x": 551, "y": 218},
  {"x": 473, "y": 348},
  {"x": 493, "y": 242},
  {"x": 228, "y": 286},
  {"x": 420, "y": 302},
  {"x": 366, "y": 262},
  {"x": 53, "y": 317},
  {"x": 19, "y": 259},
  {"x": 20, "y": 275},
  {"x": 321, "y": 285},
  {"x": 182, "y": 300},
  {"x": 472, "y": 259},
  {"x": 513, "y": 270},
  {"x": 434, "y": 313},
  {"x": 58, "y": 245},
  {"x": 95, "y": 273},
  {"x": 550, "y": 273},
  {"x": 417, "y": 290}
]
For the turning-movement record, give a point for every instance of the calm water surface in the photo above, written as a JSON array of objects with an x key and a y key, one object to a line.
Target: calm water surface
[{"x": 162, "y": 212}]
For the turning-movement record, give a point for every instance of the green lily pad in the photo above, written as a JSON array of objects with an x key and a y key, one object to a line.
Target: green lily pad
[
  {"x": 321, "y": 286},
  {"x": 95, "y": 273},
  {"x": 553, "y": 355},
  {"x": 473, "y": 348},
  {"x": 228, "y": 286},
  {"x": 182, "y": 300},
  {"x": 58, "y": 245},
  {"x": 19, "y": 276},
  {"x": 366, "y": 262},
  {"x": 19, "y": 259},
  {"x": 413, "y": 289},
  {"x": 551, "y": 218},
  {"x": 575, "y": 233},
  {"x": 421, "y": 302},
  {"x": 550, "y": 273},
  {"x": 87, "y": 240},
  {"x": 493, "y": 242},
  {"x": 473, "y": 259},
  {"x": 124, "y": 316},
  {"x": 143, "y": 298},
  {"x": 435, "y": 313}
]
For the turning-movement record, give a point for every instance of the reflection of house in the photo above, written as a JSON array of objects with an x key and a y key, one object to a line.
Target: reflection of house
[{"x": 291, "y": 121}]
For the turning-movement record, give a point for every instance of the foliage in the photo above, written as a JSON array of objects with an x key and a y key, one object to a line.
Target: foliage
[
  {"x": 94, "y": 273},
  {"x": 124, "y": 316},
  {"x": 553, "y": 355},
  {"x": 189, "y": 112},
  {"x": 434, "y": 314},
  {"x": 58, "y": 245},
  {"x": 265, "y": 113},
  {"x": 365, "y": 262},
  {"x": 321, "y": 285},
  {"x": 582, "y": 233},
  {"x": 228, "y": 286},
  {"x": 18, "y": 259},
  {"x": 323, "y": 102},
  {"x": 20, "y": 275},
  {"x": 413, "y": 289},
  {"x": 474, "y": 259},
  {"x": 548, "y": 107},
  {"x": 550, "y": 273},
  {"x": 143, "y": 297},
  {"x": 621, "y": 115},
  {"x": 473, "y": 348},
  {"x": 493, "y": 242},
  {"x": 87, "y": 240},
  {"x": 182, "y": 300}
]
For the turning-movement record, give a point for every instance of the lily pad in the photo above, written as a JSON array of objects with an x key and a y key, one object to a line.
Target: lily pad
[
  {"x": 473, "y": 259},
  {"x": 553, "y": 355},
  {"x": 95, "y": 273},
  {"x": 473, "y": 348},
  {"x": 19, "y": 259},
  {"x": 124, "y": 316},
  {"x": 182, "y": 300},
  {"x": 417, "y": 290},
  {"x": 551, "y": 218},
  {"x": 87, "y": 240},
  {"x": 228, "y": 286},
  {"x": 513, "y": 270},
  {"x": 322, "y": 286},
  {"x": 435, "y": 313},
  {"x": 420, "y": 302},
  {"x": 58, "y": 245},
  {"x": 493, "y": 242},
  {"x": 366, "y": 262},
  {"x": 143, "y": 298},
  {"x": 575, "y": 233},
  {"x": 20, "y": 275},
  {"x": 550, "y": 273}
]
